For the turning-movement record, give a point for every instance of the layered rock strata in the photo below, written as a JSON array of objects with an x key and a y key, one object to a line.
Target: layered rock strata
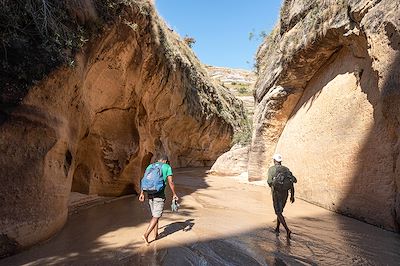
[
  {"x": 136, "y": 91},
  {"x": 328, "y": 100}
]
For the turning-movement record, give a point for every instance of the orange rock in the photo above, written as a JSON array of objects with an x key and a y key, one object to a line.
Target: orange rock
[{"x": 135, "y": 92}]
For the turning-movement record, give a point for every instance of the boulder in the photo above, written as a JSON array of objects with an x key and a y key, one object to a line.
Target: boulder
[{"x": 233, "y": 162}]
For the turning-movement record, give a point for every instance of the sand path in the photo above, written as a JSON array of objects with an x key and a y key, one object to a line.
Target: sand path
[{"x": 221, "y": 222}]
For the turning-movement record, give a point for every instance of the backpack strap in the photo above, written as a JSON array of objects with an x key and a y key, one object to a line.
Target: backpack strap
[{"x": 279, "y": 169}]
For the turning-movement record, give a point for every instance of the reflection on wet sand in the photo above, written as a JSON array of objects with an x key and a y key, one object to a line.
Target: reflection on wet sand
[{"x": 220, "y": 222}]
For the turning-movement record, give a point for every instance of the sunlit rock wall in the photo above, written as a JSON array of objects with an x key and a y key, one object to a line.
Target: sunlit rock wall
[
  {"x": 135, "y": 91},
  {"x": 328, "y": 100}
]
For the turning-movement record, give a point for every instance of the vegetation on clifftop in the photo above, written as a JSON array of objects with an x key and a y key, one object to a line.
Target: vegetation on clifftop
[
  {"x": 301, "y": 25},
  {"x": 318, "y": 16},
  {"x": 38, "y": 36}
]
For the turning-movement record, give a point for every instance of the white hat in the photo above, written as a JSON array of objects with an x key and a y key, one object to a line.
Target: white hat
[{"x": 277, "y": 157}]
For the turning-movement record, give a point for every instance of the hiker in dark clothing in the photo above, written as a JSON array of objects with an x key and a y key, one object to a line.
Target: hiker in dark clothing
[
  {"x": 281, "y": 180},
  {"x": 157, "y": 198}
]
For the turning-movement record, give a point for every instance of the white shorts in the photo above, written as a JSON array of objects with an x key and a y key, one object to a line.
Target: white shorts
[{"x": 156, "y": 207}]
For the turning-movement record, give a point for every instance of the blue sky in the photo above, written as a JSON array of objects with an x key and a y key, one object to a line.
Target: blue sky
[{"x": 221, "y": 27}]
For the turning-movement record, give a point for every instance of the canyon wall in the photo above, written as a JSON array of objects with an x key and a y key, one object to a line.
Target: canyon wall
[
  {"x": 328, "y": 101},
  {"x": 133, "y": 92}
]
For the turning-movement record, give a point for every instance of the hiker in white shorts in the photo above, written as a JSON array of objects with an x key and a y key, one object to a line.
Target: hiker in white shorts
[{"x": 160, "y": 171}]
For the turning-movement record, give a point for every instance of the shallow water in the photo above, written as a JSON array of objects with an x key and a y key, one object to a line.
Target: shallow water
[{"x": 221, "y": 222}]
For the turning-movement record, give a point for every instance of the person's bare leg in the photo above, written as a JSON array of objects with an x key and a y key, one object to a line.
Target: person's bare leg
[
  {"x": 156, "y": 231},
  {"x": 152, "y": 224},
  {"x": 283, "y": 222},
  {"x": 278, "y": 223}
]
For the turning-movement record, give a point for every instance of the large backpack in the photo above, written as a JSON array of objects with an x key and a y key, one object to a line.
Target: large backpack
[
  {"x": 153, "y": 180},
  {"x": 283, "y": 179}
]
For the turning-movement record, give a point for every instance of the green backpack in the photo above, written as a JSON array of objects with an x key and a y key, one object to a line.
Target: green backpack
[{"x": 283, "y": 179}]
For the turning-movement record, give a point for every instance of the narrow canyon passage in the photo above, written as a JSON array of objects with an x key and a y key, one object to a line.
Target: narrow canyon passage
[{"x": 222, "y": 221}]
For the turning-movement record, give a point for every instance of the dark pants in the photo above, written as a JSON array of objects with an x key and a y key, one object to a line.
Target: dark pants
[{"x": 279, "y": 199}]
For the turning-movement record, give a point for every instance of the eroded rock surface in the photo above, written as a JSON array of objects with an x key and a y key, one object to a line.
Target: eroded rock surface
[
  {"x": 136, "y": 91},
  {"x": 233, "y": 162},
  {"x": 328, "y": 100}
]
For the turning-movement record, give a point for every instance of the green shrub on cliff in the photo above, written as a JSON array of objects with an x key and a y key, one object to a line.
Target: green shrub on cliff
[
  {"x": 301, "y": 24},
  {"x": 36, "y": 37},
  {"x": 243, "y": 135},
  {"x": 39, "y": 35}
]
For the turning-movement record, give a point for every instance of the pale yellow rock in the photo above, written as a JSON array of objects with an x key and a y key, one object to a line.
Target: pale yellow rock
[
  {"x": 233, "y": 162},
  {"x": 328, "y": 101}
]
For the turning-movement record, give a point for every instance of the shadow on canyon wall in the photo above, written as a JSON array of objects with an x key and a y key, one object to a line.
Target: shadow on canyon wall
[
  {"x": 372, "y": 192},
  {"x": 379, "y": 157},
  {"x": 373, "y": 186}
]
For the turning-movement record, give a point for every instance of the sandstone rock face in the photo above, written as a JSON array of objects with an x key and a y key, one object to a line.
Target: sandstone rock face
[
  {"x": 239, "y": 81},
  {"x": 136, "y": 91},
  {"x": 233, "y": 162},
  {"x": 231, "y": 75},
  {"x": 328, "y": 100}
]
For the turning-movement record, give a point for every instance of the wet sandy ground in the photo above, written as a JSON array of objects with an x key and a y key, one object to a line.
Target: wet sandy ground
[{"x": 221, "y": 222}]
